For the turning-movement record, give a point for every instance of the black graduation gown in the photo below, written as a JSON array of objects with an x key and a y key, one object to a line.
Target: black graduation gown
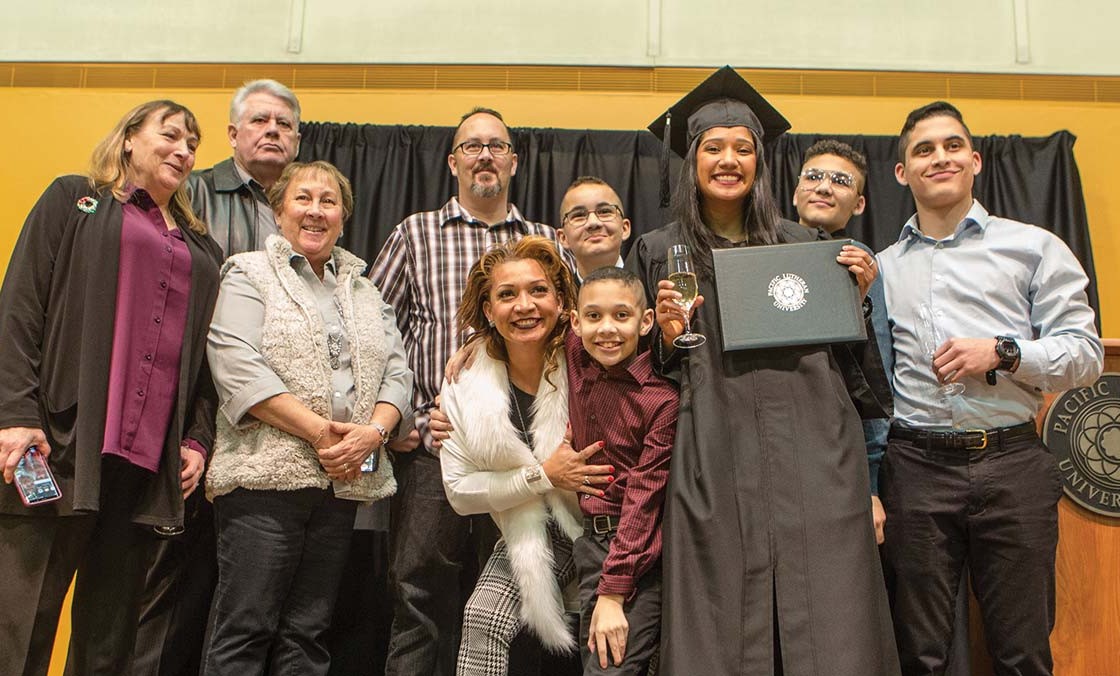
[{"x": 767, "y": 511}]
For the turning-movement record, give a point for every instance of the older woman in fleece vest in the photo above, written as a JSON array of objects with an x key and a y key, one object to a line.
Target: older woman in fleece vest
[{"x": 312, "y": 380}]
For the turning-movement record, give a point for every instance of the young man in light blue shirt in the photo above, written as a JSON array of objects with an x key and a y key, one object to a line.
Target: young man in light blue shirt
[{"x": 966, "y": 479}]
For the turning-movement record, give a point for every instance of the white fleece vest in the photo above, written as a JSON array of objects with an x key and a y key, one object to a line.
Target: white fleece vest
[{"x": 293, "y": 342}]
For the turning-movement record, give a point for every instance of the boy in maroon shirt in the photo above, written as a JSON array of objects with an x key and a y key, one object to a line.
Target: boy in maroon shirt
[{"x": 615, "y": 397}]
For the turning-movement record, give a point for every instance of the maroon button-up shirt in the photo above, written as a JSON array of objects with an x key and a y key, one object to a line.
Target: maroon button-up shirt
[
  {"x": 633, "y": 412},
  {"x": 153, "y": 288}
]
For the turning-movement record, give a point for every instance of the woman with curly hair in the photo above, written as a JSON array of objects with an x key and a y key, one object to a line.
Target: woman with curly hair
[{"x": 508, "y": 454}]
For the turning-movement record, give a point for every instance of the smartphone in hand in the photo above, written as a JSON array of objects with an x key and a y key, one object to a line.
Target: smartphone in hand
[{"x": 34, "y": 480}]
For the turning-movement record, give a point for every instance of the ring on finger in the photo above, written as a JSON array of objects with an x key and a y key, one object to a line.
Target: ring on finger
[{"x": 586, "y": 480}]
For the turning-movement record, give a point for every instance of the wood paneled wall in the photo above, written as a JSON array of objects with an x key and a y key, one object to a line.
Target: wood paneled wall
[{"x": 1086, "y": 638}]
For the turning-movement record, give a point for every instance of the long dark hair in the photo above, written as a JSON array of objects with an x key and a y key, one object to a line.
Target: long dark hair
[{"x": 760, "y": 213}]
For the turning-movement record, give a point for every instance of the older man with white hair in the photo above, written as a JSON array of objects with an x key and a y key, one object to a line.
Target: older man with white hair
[{"x": 230, "y": 196}]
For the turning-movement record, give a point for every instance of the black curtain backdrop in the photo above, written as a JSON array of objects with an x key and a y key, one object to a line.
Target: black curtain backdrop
[{"x": 399, "y": 170}]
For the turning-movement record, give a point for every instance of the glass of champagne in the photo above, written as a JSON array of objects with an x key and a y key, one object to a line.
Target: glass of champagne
[
  {"x": 932, "y": 337},
  {"x": 683, "y": 276}
]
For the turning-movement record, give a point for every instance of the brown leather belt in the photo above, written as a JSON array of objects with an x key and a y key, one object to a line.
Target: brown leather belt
[
  {"x": 600, "y": 524},
  {"x": 964, "y": 440}
]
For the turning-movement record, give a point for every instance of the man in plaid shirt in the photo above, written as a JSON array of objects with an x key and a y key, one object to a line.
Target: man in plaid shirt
[{"x": 421, "y": 272}]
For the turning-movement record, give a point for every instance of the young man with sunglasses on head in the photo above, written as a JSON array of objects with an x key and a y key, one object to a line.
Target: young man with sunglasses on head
[{"x": 829, "y": 193}]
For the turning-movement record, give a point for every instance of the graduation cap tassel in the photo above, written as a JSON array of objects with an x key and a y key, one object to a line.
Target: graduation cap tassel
[{"x": 665, "y": 151}]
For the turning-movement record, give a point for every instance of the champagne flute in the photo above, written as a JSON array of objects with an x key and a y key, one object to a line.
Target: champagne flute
[
  {"x": 683, "y": 276},
  {"x": 932, "y": 336}
]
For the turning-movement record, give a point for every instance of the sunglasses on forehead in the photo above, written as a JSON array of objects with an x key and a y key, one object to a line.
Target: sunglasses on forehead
[{"x": 813, "y": 177}]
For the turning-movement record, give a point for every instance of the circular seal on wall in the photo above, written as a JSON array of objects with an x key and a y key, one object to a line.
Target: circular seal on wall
[
  {"x": 788, "y": 291},
  {"x": 1082, "y": 429}
]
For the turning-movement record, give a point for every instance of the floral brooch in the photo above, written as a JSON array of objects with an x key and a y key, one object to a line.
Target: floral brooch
[{"x": 87, "y": 204}]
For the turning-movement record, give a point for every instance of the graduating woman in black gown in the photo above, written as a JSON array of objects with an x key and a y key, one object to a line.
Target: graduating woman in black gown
[{"x": 770, "y": 563}]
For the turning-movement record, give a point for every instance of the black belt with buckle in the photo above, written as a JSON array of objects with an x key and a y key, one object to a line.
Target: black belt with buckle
[
  {"x": 601, "y": 524},
  {"x": 965, "y": 440}
]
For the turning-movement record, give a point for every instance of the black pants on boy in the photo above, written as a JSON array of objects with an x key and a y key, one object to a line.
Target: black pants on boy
[{"x": 643, "y": 610}]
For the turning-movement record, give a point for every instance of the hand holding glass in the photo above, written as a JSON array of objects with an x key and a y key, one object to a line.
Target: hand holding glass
[
  {"x": 683, "y": 276},
  {"x": 932, "y": 336}
]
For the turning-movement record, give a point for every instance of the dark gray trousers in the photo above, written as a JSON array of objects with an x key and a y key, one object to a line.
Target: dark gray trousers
[
  {"x": 178, "y": 588},
  {"x": 643, "y": 610},
  {"x": 435, "y": 557},
  {"x": 995, "y": 510},
  {"x": 39, "y": 556}
]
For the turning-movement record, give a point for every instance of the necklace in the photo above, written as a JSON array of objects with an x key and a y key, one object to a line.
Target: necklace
[
  {"x": 523, "y": 431},
  {"x": 334, "y": 348},
  {"x": 334, "y": 339}
]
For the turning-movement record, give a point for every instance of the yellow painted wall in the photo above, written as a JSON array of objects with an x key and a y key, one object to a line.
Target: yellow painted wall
[{"x": 51, "y": 131}]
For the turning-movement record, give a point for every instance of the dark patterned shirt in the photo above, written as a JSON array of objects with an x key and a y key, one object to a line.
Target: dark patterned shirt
[{"x": 633, "y": 412}]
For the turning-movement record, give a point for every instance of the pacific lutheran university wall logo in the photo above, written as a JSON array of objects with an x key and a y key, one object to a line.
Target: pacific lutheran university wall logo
[{"x": 1083, "y": 430}]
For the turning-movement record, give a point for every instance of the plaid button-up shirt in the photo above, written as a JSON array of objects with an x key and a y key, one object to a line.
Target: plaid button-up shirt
[{"x": 422, "y": 272}]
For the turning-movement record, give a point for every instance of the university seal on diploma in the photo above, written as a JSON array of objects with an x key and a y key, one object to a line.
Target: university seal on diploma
[
  {"x": 1082, "y": 429},
  {"x": 788, "y": 291}
]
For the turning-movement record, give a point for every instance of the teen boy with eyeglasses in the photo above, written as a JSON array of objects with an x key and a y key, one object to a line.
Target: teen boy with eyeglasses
[
  {"x": 593, "y": 225},
  {"x": 829, "y": 193}
]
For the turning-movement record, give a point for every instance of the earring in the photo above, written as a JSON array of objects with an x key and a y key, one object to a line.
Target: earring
[{"x": 491, "y": 323}]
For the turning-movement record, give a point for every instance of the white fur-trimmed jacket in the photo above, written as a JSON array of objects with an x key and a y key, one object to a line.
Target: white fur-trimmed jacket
[{"x": 482, "y": 472}]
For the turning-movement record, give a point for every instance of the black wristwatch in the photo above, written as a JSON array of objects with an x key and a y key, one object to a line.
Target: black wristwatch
[{"x": 1008, "y": 352}]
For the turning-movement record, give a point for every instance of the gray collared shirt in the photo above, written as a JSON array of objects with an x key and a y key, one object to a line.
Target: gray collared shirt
[
  {"x": 991, "y": 277},
  {"x": 235, "y": 340}
]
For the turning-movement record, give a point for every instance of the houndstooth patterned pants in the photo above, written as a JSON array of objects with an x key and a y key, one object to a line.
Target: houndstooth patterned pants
[{"x": 492, "y": 616}]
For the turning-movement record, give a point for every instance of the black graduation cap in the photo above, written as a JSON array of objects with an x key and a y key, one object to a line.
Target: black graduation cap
[{"x": 724, "y": 99}]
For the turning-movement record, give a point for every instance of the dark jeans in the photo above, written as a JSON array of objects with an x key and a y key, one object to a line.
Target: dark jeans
[
  {"x": 994, "y": 510},
  {"x": 643, "y": 610},
  {"x": 39, "y": 556},
  {"x": 435, "y": 556},
  {"x": 359, "y": 635},
  {"x": 280, "y": 560},
  {"x": 177, "y": 594}
]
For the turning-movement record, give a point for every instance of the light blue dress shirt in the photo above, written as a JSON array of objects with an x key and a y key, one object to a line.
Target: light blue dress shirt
[{"x": 992, "y": 276}]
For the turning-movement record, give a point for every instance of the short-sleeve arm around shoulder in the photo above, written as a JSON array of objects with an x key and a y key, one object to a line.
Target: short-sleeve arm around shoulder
[{"x": 391, "y": 273}]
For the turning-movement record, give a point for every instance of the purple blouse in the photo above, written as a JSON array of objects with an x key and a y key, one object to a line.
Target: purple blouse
[{"x": 153, "y": 288}]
